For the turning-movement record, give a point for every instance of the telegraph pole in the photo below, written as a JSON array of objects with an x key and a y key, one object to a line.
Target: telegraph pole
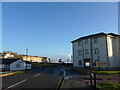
[{"x": 26, "y": 53}]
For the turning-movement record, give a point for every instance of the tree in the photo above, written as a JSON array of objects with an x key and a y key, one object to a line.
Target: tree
[{"x": 60, "y": 60}]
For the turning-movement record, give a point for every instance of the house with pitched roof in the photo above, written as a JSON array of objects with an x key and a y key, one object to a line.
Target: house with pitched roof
[{"x": 14, "y": 64}]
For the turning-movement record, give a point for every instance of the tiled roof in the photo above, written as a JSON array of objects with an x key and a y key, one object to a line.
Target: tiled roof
[
  {"x": 27, "y": 62},
  {"x": 7, "y": 61}
]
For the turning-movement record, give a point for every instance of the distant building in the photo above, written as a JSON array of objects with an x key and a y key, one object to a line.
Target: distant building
[
  {"x": 7, "y": 54},
  {"x": 35, "y": 58},
  {"x": 97, "y": 48},
  {"x": 30, "y": 58}
]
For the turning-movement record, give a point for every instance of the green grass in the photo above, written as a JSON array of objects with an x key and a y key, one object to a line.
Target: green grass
[
  {"x": 19, "y": 72},
  {"x": 107, "y": 72},
  {"x": 45, "y": 65},
  {"x": 86, "y": 71},
  {"x": 108, "y": 86}
]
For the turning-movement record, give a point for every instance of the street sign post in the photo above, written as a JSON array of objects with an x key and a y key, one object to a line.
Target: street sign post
[{"x": 101, "y": 64}]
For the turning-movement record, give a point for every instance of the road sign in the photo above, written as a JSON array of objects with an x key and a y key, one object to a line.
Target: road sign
[{"x": 101, "y": 64}]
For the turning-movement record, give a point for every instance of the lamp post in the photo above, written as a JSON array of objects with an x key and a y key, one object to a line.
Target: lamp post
[
  {"x": 88, "y": 64},
  {"x": 26, "y": 53}
]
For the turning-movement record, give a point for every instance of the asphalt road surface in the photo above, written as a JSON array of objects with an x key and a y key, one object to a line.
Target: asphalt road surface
[{"x": 35, "y": 78}]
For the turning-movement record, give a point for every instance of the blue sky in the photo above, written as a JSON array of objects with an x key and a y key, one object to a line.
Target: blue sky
[{"x": 47, "y": 29}]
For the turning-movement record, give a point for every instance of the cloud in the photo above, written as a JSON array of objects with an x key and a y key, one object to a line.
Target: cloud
[{"x": 64, "y": 57}]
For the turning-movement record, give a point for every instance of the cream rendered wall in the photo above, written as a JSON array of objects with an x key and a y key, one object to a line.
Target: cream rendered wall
[
  {"x": 28, "y": 66},
  {"x": 116, "y": 49},
  {"x": 94, "y": 46},
  {"x": 75, "y": 54},
  {"x": 119, "y": 51},
  {"x": 82, "y": 47},
  {"x": 112, "y": 51},
  {"x": 20, "y": 62},
  {"x": 87, "y": 46},
  {"x": 34, "y": 59},
  {"x": 80, "y": 57},
  {"x": 102, "y": 49}
]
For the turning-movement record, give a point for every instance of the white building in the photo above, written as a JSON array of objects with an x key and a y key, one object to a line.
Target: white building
[
  {"x": 97, "y": 47},
  {"x": 14, "y": 64}
]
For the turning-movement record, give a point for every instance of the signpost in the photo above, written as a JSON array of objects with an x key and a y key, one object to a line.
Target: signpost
[{"x": 101, "y": 64}]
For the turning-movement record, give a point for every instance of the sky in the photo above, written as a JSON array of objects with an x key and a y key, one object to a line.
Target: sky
[{"x": 47, "y": 28}]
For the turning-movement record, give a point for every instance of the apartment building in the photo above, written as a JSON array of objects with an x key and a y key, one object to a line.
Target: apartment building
[{"x": 102, "y": 47}]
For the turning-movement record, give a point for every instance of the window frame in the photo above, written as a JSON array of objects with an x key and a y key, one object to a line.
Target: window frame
[
  {"x": 87, "y": 51},
  {"x": 79, "y": 52},
  {"x": 79, "y": 43},
  {"x": 80, "y": 62},
  {"x": 96, "y": 51},
  {"x": 86, "y": 41},
  {"x": 96, "y": 40}
]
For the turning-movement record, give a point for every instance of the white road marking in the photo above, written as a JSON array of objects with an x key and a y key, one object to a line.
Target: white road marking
[
  {"x": 16, "y": 84},
  {"x": 36, "y": 75}
]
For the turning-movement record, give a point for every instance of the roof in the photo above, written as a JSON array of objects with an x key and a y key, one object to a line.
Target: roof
[
  {"x": 7, "y": 61},
  {"x": 95, "y": 35},
  {"x": 27, "y": 62}
]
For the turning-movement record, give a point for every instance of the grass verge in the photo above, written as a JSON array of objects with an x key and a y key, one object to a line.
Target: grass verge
[
  {"x": 45, "y": 65},
  {"x": 108, "y": 86},
  {"x": 19, "y": 72},
  {"x": 107, "y": 72}
]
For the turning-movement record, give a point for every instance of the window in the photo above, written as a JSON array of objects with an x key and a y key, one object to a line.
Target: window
[
  {"x": 86, "y": 51},
  {"x": 96, "y": 40},
  {"x": 17, "y": 65},
  {"x": 97, "y": 60},
  {"x": 86, "y": 41},
  {"x": 80, "y": 62},
  {"x": 96, "y": 51},
  {"x": 79, "y": 43},
  {"x": 79, "y": 52}
]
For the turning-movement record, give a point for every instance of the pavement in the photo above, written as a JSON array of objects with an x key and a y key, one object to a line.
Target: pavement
[
  {"x": 35, "y": 78},
  {"x": 74, "y": 80}
]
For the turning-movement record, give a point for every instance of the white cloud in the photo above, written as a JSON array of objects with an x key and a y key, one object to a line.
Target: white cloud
[{"x": 64, "y": 57}]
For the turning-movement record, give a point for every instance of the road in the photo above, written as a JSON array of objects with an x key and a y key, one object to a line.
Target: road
[{"x": 36, "y": 78}]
